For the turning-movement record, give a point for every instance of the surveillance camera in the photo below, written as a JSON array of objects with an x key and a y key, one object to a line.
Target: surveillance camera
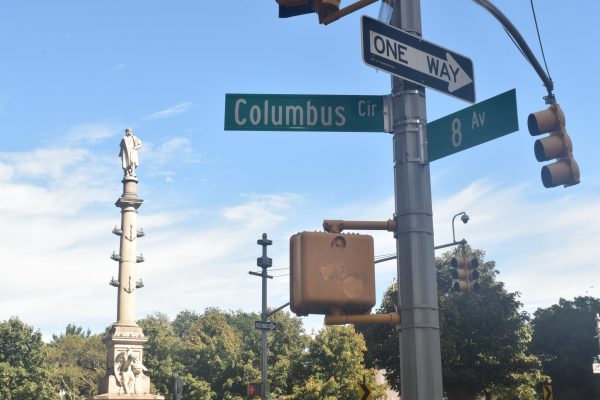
[{"x": 464, "y": 218}]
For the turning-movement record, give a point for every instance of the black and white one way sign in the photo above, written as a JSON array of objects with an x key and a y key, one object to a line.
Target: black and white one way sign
[{"x": 412, "y": 58}]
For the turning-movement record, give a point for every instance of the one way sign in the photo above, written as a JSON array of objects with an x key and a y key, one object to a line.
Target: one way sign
[{"x": 412, "y": 58}]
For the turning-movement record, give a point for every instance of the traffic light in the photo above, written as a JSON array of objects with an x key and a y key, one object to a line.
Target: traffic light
[
  {"x": 331, "y": 273},
  {"x": 292, "y": 8},
  {"x": 254, "y": 389},
  {"x": 466, "y": 274},
  {"x": 564, "y": 171}
]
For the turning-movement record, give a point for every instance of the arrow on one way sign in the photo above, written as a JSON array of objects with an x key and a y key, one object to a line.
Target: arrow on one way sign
[
  {"x": 409, "y": 57},
  {"x": 445, "y": 69}
]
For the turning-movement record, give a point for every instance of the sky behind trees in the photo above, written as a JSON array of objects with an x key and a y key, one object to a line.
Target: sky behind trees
[{"x": 75, "y": 75}]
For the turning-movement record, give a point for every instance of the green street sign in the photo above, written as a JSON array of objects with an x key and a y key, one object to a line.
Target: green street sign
[
  {"x": 289, "y": 112},
  {"x": 480, "y": 123}
]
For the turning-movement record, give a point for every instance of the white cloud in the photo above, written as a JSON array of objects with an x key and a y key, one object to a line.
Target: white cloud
[
  {"x": 171, "y": 111},
  {"x": 261, "y": 210},
  {"x": 90, "y": 133},
  {"x": 174, "y": 150},
  {"x": 57, "y": 213}
]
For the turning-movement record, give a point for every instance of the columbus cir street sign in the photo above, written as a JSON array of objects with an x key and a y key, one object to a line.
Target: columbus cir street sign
[
  {"x": 474, "y": 125},
  {"x": 290, "y": 112},
  {"x": 409, "y": 57}
]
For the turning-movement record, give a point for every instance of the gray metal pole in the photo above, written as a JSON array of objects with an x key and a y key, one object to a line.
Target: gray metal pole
[
  {"x": 420, "y": 356},
  {"x": 264, "y": 262},
  {"x": 263, "y": 333}
]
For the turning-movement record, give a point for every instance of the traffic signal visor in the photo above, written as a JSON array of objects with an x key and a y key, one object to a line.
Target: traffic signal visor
[{"x": 558, "y": 145}]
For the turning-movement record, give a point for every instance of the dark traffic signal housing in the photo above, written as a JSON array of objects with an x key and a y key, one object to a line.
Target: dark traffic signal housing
[
  {"x": 292, "y": 8},
  {"x": 564, "y": 171},
  {"x": 466, "y": 274}
]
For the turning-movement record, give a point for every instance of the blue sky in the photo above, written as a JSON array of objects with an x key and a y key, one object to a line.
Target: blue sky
[{"x": 75, "y": 74}]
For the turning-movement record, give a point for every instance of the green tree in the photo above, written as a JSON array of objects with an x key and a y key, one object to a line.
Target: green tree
[
  {"x": 162, "y": 353},
  {"x": 286, "y": 345},
  {"x": 77, "y": 361},
  {"x": 72, "y": 330},
  {"x": 484, "y": 338},
  {"x": 23, "y": 374},
  {"x": 333, "y": 366},
  {"x": 563, "y": 338}
]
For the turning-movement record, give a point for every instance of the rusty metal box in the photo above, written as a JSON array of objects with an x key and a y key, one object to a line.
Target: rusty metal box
[{"x": 331, "y": 273}]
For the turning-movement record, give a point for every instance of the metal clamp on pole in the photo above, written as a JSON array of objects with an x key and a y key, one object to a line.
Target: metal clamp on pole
[
  {"x": 338, "y": 225},
  {"x": 368, "y": 319}
]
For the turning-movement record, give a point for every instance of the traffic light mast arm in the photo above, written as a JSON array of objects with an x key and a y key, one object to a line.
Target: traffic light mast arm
[
  {"x": 368, "y": 319},
  {"x": 346, "y": 10},
  {"x": 338, "y": 225},
  {"x": 522, "y": 45},
  {"x": 277, "y": 309},
  {"x": 460, "y": 242}
]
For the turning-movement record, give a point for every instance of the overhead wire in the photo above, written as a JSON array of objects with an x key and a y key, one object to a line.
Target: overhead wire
[{"x": 540, "y": 39}]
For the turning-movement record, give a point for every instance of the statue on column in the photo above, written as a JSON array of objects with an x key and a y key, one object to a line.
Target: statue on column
[{"x": 129, "y": 153}]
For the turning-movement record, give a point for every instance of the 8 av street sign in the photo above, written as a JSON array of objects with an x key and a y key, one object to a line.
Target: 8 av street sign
[
  {"x": 291, "y": 112},
  {"x": 479, "y": 123},
  {"x": 412, "y": 58}
]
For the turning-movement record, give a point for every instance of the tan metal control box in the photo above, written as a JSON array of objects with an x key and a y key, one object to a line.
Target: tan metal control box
[{"x": 331, "y": 273}]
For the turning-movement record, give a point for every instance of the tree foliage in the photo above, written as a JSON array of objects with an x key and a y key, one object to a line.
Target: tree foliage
[
  {"x": 333, "y": 366},
  {"x": 563, "y": 339},
  {"x": 76, "y": 360},
  {"x": 217, "y": 353},
  {"x": 23, "y": 374},
  {"x": 484, "y": 338}
]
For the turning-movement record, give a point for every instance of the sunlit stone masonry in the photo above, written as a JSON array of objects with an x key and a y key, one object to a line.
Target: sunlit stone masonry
[{"x": 125, "y": 374}]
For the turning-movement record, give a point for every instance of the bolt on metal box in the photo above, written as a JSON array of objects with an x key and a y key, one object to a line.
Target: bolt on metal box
[{"x": 331, "y": 273}]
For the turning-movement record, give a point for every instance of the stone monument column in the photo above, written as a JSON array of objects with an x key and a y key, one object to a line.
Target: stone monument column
[{"x": 125, "y": 374}]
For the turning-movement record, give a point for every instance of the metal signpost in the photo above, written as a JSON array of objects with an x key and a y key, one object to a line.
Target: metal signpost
[
  {"x": 420, "y": 354},
  {"x": 289, "y": 112},
  {"x": 409, "y": 57},
  {"x": 474, "y": 125}
]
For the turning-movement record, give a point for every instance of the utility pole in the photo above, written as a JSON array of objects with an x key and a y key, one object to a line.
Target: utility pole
[
  {"x": 420, "y": 355},
  {"x": 264, "y": 262}
]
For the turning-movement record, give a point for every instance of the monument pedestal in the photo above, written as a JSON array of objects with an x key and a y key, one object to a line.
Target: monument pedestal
[{"x": 125, "y": 378}]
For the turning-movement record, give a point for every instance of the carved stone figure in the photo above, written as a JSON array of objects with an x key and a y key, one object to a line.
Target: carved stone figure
[
  {"x": 138, "y": 370},
  {"x": 129, "y": 152},
  {"x": 129, "y": 373},
  {"x": 123, "y": 373}
]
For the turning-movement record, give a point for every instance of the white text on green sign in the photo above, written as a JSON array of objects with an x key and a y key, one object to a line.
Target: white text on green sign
[
  {"x": 474, "y": 125},
  {"x": 281, "y": 112}
]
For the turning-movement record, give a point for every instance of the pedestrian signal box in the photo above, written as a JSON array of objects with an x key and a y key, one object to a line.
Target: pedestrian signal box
[{"x": 331, "y": 273}]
